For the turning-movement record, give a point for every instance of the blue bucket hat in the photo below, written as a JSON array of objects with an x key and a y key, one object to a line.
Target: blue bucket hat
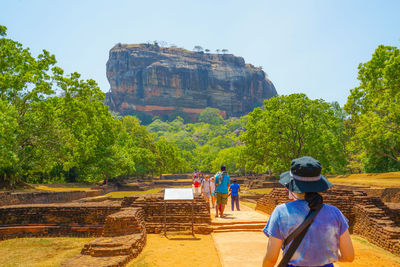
[{"x": 305, "y": 176}]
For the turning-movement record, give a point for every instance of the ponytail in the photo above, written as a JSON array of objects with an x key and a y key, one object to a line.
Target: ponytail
[{"x": 314, "y": 200}]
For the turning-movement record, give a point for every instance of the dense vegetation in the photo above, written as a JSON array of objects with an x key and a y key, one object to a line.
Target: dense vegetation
[{"x": 55, "y": 127}]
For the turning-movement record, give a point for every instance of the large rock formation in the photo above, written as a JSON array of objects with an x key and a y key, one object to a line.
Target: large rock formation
[{"x": 158, "y": 81}]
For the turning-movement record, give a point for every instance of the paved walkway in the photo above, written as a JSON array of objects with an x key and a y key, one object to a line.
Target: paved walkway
[{"x": 240, "y": 242}]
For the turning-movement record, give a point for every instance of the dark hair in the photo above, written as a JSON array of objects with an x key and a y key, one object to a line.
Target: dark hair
[
  {"x": 314, "y": 200},
  {"x": 223, "y": 168}
]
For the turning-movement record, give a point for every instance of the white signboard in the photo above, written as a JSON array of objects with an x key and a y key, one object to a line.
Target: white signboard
[{"x": 178, "y": 194}]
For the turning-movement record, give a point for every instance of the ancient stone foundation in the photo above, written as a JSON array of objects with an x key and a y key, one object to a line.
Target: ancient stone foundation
[
  {"x": 368, "y": 216},
  {"x": 7, "y": 198},
  {"x": 67, "y": 219},
  {"x": 124, "y": 237},
  {"x": 179, "y": 213},
  {"x": 120, "y": 225}
]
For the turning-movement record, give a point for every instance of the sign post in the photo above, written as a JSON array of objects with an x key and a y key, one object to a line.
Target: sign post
[{"x": 177, "y": 194}]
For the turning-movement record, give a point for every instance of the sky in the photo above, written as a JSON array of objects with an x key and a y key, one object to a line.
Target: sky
[{"x": 304, "y": 46}]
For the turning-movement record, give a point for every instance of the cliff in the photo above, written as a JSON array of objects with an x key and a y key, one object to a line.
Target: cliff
[{"x": 161, "y": 81}]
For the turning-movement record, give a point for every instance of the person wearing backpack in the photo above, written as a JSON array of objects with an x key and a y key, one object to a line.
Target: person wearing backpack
[
  {"x": 309, "y": 232},
  {"x": 222, "y": 182}
]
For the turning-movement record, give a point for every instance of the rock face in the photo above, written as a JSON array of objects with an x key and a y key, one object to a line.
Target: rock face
[{"x": 158, "y": 81}]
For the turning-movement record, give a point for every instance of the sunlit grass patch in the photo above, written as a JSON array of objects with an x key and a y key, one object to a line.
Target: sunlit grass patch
[
  {"x": 173, "y": 181},
  {"x": 248, "y": 204},
  {"x": 50, "y": 188},
  {"x": 122, "y": 194},
  {"x": 182, "y": 186},
  {"x": 43, "y": 252},
  {"x": 261, "y": 190},
  {"x": 383, "y": 180}
]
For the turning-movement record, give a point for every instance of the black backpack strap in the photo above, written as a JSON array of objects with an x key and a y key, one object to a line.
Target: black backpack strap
[{"x": 297, "y": 236}]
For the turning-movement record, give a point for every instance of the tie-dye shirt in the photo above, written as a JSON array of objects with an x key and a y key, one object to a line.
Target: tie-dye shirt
[{"x": 321, "y": 243}]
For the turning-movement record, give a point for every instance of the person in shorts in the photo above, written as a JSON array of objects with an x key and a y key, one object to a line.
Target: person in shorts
[{"x": 222, "y": 182}]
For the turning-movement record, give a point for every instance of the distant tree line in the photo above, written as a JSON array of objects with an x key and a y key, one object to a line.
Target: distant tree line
[{"x": 55, "y": 127}]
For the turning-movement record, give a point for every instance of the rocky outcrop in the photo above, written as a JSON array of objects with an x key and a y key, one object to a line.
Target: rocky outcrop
[{"x": 158, "y": 80}]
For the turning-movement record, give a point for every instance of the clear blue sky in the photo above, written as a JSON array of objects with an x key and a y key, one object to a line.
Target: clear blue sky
[{"x": 305, "y": 46}]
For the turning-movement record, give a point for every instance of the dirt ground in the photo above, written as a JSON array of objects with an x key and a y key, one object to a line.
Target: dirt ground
[
  {"x": 178, "y": 250},
  {"x": 370, "y": 255},
  {"x": 253, "y": 247}
]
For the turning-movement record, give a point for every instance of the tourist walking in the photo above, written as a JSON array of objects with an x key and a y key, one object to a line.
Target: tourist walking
[
  {"x": 196, "y": 184},
  {"x": 206, "y": 189},
  {"x": 212, "y": 187},
  {"x": 195, "y": 175},
  {"x": 317, "y": 232},
  {"x": 222, "y": 182},
  {"x": 234, "y": 189}
]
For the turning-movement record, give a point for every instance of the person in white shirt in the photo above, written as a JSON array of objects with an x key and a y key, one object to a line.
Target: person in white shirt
[
  {"x": 212, "y": 191},
  {"x": 206, "y": 188}
]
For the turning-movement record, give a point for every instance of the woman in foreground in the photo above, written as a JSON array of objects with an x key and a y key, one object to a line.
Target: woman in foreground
[{"x": 327, "y": 239}]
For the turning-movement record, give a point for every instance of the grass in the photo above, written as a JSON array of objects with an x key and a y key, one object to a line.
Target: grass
[
  {"x": 40, "y": 252},
  {"x": 261, "y": 190},
  {"x": 50, "y": 188},
  {"x": 380, "y": 180},
  {"x": 248, "y": 204},
  {"x": 181, "y": 250},
  {"x": 122, "y": 194},
  {"x": 173, "y": 181}
]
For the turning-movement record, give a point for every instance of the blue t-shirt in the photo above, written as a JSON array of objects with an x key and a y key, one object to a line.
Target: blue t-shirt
[
  {"x": 234, "y": 189},
  {"x": 321, "y": 243},
  {"x": 223, "y": 187}
]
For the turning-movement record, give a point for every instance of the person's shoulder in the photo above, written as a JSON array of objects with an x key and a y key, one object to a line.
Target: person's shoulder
[
  {"x": 282, "y": 206},
  {"x": 332, "y": 209}
]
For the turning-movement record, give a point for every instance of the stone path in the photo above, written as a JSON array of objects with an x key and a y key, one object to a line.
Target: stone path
[{"x": 238, "y": 237}]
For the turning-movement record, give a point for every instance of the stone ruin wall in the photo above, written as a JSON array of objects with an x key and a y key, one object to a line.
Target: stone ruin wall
[
  {"x": 178, "y": 212},
  {"x": 67, "y": 219},
  {"x": 368, "y": 216},
  {"x": 123, "y": 238},
  {"x": 9, "y": 198},
  {"x": 121, "y": 226},
  {"x": 89, "y": 219}
]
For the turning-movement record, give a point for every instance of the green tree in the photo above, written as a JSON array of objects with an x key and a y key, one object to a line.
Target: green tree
[
  {"x": 232, "y": 158},
  {"x": 211, "y": 116},
  {"x": 374, "y": 108},
  {"x": 290, "y": 127},
  {"x": 198, "y": 48},
  {"x": 170, "y": 158},
  {"x": 8, "y": 144}
]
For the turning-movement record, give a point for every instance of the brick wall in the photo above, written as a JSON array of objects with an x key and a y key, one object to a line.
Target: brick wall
[
  {"x": 124, "y": 237},
  {"x": 8, "y": 198},
  {"x": 178, "y": 212},
  {"x": 69, "y": 219}
]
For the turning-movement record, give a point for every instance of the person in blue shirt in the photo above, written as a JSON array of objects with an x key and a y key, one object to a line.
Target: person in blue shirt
[
  {"x": 327, "y": 239},
  {"x": 222, "y": 182},
  {"x": 235, "y": 189}
]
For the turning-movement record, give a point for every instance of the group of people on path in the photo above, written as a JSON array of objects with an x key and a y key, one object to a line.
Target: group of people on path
[{"x": 218, "y": 188}]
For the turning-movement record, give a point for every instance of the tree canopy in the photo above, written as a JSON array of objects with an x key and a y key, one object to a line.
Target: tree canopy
[
  {"x": 55, "y": 127},
  {"x": 290, "y": 127},
  {"x": 374, "y": 109}
]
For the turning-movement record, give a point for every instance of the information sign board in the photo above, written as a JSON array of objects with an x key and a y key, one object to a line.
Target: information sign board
[{"x": 178, "y": 194}]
